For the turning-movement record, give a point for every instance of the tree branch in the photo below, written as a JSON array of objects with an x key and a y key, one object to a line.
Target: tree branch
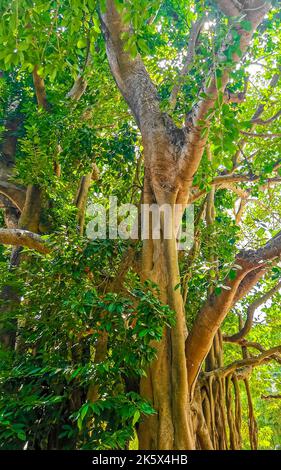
[
  {"x": 249, "y": 281},
  {"x": 202, "y": 113},
  {"x": 82, "y": 195},
  {"x": 250, "y": 315},
  {"x": 229, "y": 97},
  {"x": 247, "y": 362},
  {"x": 194, "y": 33},
  {"x": 256, "y": 115},
  {"x": 14, "y": 193},
  {"x": 267, "y": 121},
  {"x": 216, "y": 307},
  {"x": 253, "y": 344},
  {"x": 40, "y": 90},
  {"x": 10, "y": 213},
  {"x": 226, "y": 181},
  {"x": 261, "y": 136},
  {"x": 270, "y": 397},
  {"x": 255, "y": 258},
  {"x": 207, "y": 322},
  {"x": 80, "y": 85},
  {"x": 25, "y": 238},
  {"x": 130, "y": 74},
  {"x": 78, "y": 89}
]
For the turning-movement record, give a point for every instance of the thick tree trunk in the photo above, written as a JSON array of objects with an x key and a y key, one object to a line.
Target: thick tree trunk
[{"x": 166, "y": 384}]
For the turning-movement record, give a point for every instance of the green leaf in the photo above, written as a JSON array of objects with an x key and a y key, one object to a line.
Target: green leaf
[
  {"x": 81, "y": 43},
  {"x": 96, "y": 25},
  {"x": 246, "y": 25},
  {"x": 21, "y": 435},
  {"x": 136, "y": 417},
  {"x": 142, "y": 44}
]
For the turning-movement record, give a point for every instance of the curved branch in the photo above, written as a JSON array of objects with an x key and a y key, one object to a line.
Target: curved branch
[
  {"x": 25, "y": 238},
  {"x": 216, "y": 307},
  {"x": 264, "y": 122},
  {"x": 225, "y": 181},
  {"x": 78, "y": 89},
  {"x": 249, "y": 281},
  {"x": 250, "y": 315},
  {"x": 259, "y": 257},
  {"x": 14, "y": 193}
]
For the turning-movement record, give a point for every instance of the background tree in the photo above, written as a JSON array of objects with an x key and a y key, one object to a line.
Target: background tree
[{"x": 140, "y": 345}]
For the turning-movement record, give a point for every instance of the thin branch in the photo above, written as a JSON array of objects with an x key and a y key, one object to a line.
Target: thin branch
[
  {"x": 253, "y": 361},
  {"x": 239, "y": 213},
  {"x": 82, "y": 195},
  {"x": 260, "y": 109},
  {"x": 250, "y": 314},
  {"x": 262, "y": 136},
  {"x": 267, "y": 121},
  {"x": 80, "y": 85},
  {"x": 270, "y": 397},
  {"x": 226, "y": 181},
  {"x": 78, "y": 88},
  {"x": 253, "y": 344},
  {"x": 195, "y": 31}
]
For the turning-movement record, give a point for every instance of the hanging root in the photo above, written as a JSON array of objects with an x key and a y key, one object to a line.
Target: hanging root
[
  {"x": 253, "y": 428},
  {"x": 218, "y": 413}
]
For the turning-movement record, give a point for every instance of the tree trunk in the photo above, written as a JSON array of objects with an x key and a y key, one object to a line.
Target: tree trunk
[{"x": 166, "y": 385}]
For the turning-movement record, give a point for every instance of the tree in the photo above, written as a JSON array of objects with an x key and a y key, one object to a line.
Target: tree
[{"x": 199, "y": 142}]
